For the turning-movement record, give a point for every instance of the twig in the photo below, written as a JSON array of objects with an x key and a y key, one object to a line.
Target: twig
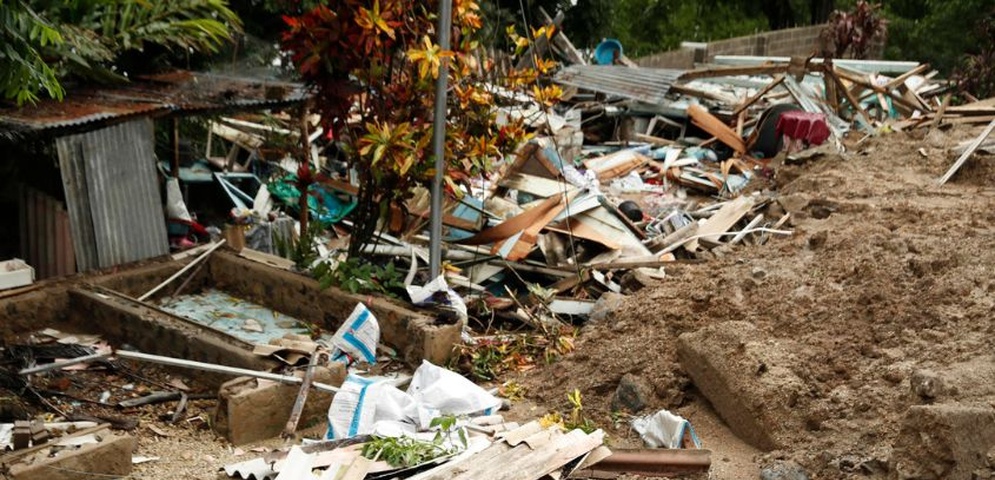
[{"x": 180, "y": 408}]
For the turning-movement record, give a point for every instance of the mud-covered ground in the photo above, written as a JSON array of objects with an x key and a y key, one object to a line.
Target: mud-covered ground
[{"x": 887, "y": 274}]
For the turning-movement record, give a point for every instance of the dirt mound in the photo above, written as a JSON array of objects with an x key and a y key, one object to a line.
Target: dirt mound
[{"x": 886, "y": 274}]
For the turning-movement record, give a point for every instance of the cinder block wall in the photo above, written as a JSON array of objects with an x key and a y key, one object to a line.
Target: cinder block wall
[{"x": 779, "y": 43}]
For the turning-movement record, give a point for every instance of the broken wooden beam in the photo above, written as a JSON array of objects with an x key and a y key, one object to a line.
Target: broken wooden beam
[
  {"x": 711, "y": 124},
  {"x": 967, "y": 153}
]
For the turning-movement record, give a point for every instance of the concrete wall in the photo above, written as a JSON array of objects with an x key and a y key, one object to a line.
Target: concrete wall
[
  {"x": 48, "y": 305},
  {"x": 105, "y": 304},
  {"x": 779, "y": 43},
  {"x": 416, "y": 335}
]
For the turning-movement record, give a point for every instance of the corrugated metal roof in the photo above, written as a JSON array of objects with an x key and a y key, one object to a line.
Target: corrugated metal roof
[
  {"x": 648, "y": 85},
  {"x": 112, "y": 195},
  {"x": 175, "y": 92}
]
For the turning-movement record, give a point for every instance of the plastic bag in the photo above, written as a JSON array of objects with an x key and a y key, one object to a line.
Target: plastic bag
[
  {"x": 665, "y": 429},
  {"x": 175, "y": 207},
  {"x": 357, "y": 337},
  {"x": 449, "y": 392}
]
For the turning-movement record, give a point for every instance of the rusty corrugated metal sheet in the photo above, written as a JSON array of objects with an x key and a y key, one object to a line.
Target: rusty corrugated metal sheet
[
  {"x": 112, "y": 195},
  {"x": 156, "y": 95},
  {"x": 648, "y": 85},
  {"x": 46, "y": 239}
]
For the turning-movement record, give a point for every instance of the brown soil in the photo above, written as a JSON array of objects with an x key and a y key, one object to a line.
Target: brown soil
[{"x": 886, "y": 273}]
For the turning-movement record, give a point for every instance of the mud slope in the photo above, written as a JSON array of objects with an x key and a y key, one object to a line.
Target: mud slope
[{"x": 887, "y": 275}]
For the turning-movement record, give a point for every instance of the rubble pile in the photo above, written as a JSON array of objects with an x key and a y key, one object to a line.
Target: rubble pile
[{"x": 633, "y": 174}]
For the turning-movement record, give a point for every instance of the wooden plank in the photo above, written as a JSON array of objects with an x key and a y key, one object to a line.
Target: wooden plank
[
  {"x": 523, "y": 245},
  {"x": 709, "y": 123},
  {"x": 939, "y": 113},
  {"x": 609, "y": 225},
  {"x": 850, "y": 98},
  {"x": 967, "y": 153},
  {"x": 763, "y": 91},
  {"x": 540, "y": 186},
  {"x": 650, "y": 139},
  {"x": 877, "y": 89},
  {"x": 733, "y": 71},
  {"x": 560, "y": 40},
  {"x": 579, "y": 229},
  {"x": 741, "y": 235},
  {"x": 900, "y": 80},
  {"x": 720, "y": 223}
]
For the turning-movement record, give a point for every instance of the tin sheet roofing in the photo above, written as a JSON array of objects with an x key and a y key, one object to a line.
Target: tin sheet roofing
[
  {"x": 643, "y": 84},
  {"x": 179, "y": 92}
]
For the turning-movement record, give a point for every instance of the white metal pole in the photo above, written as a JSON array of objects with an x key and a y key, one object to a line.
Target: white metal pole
[{"x": 439, "y": 139}]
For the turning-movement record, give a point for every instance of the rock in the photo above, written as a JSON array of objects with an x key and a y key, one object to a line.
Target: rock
[
  {"x": 818, "y": 240},
  {"x": 633, "y": 394},
  {"x": 605, "y": 307},
  {"x": 792, "y": 203},
  {"x": 926, "y": 384},
  {"x": 783, "y": 470},
  {"x": 747, "y": 376},
  {"x": 943, "y": 441},
  {"x": 635, "y": 280},
  {"x": 758, "y": 273}
]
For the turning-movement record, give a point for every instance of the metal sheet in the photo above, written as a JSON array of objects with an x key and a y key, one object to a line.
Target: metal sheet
[
  {"x": 112, "y": 195},
  {"x": 648, "y": 85},
  {"x": 45, "y": 235},
  {"x": 179, "y": 92}
]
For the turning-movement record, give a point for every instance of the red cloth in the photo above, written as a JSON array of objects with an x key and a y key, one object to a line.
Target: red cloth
[{"x": 799, "y": 125}]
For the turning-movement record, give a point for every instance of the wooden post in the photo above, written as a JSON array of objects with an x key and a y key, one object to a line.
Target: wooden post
[
  {"x": 304, "y": 174},
  {"x": 295, "y": 413},
  {"x": 175, "y": 166}
]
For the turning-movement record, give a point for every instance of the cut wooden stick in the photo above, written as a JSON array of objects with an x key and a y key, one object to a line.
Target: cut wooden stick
[
  {"x": 939, "y": 113},
  {"x": 763, "y": 91},
  {"x": 295, "y": 413},
  {"x": 716, "y": 127},
  {"x": 182, "y": 271},
  {"x": 967, "y": 153}
]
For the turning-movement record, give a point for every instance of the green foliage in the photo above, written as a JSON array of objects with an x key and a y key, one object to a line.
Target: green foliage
[
  {"x": 44, "y": 41},
  {"x": 303, "y": 251},
  {"x": 573, "y": 420},
  {"x": 403, "y": 451},
  {"x": 373, "y": 67},
  {"x": 934, "y": 31},
  {"x": 976, "y": 73},
  {"x": 489, "y": 358},
  {"x": 853, "y": 31},
  {"x": 407, "y": 452},
  {"x": 358, "y": 275},
  {"x": 24, "y": 71}
]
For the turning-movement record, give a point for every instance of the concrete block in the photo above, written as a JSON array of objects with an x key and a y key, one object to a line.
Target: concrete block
[
  {"x": 110, "y": 458},
  {"x": 747, "y": 377},
  {"x": 944, "y": 441},
  {"x": 251, "y": 409}
]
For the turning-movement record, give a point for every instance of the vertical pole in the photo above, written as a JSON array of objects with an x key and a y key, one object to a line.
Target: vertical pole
[
  {"x": 439, "y": 139},
  {"x": 175, "y": 166}
]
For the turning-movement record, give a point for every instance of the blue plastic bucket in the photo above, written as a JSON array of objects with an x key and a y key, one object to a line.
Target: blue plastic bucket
[{"x": 605, "y": 52}]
